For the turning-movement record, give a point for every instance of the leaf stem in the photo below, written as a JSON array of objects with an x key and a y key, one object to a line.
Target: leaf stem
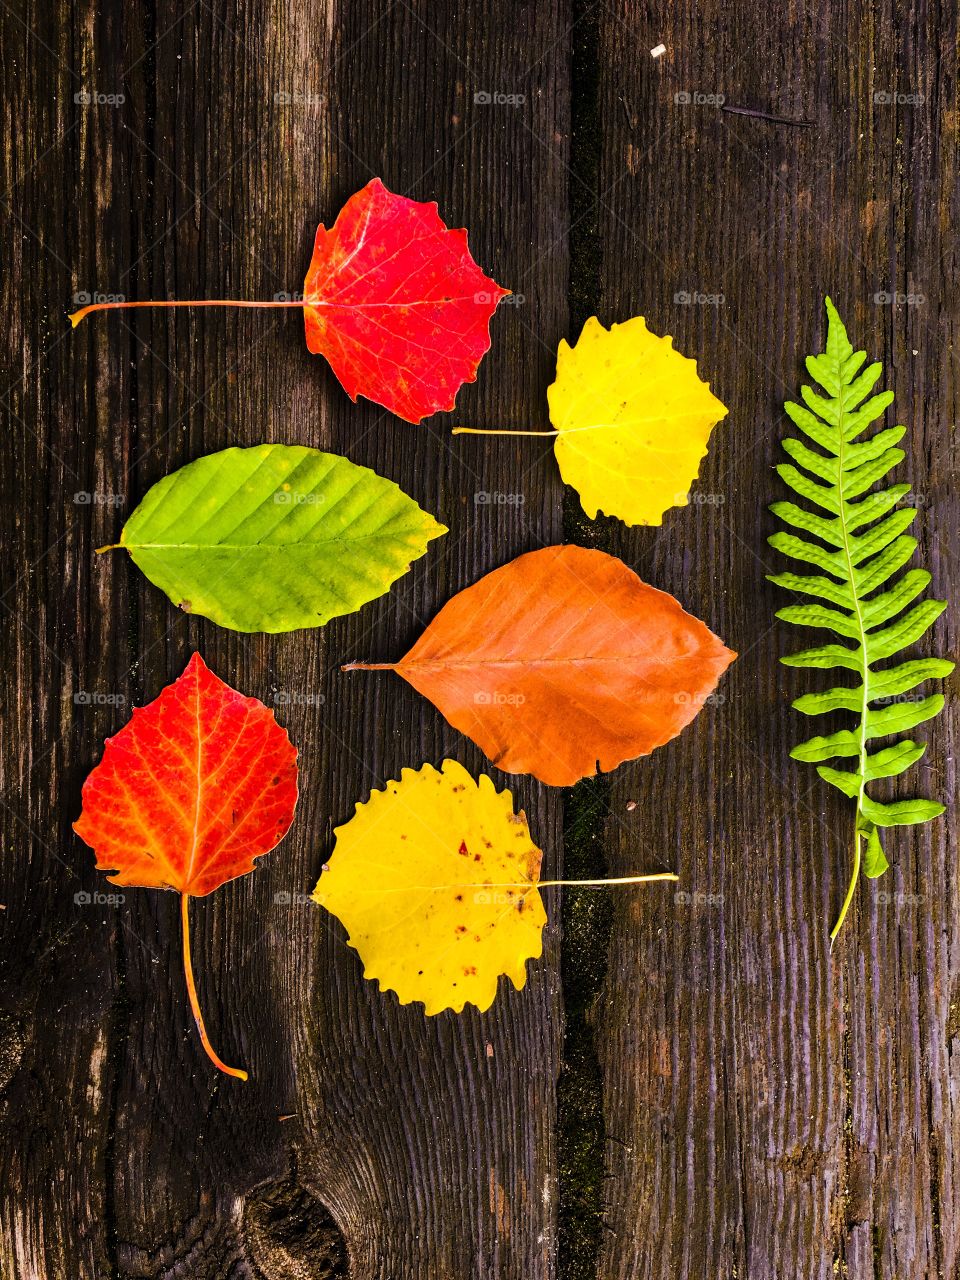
[
  {"x": 865, "y": 667},
  {"x": 77, "y": 316},
  {"x": 528, "y": 885},
  {"x": 851, "y": 888},
  {"x": 113, "y": 546},
  {"x": 499, "y": 431},
  {"x": 765, "y": 115},
  {"x": 192, "y": 993}
]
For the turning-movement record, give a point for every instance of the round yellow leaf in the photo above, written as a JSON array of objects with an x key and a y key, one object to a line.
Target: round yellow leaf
[
  {"x": 435, "y": 879},
  {"x": 633, "y": 418}
]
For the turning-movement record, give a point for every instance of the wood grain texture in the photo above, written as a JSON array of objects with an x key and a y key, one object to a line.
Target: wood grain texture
[
  {"x": 767, "y": 1111},
  {"x": 774, "y": 1111},
  {"x": 430, "y": 1142}
]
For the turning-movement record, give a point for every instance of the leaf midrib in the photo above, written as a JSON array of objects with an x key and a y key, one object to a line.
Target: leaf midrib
[
  {"x": 250, "y": 546},
  {"x": 332, "y": 304},
  {"x": 536, "y": 662},
  {"x": 188, "y": 878}
]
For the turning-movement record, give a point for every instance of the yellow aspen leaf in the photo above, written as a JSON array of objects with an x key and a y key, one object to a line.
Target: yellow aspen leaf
[
  {"x": 435, "y": 879},
  {"x": 633, "y": 421}
]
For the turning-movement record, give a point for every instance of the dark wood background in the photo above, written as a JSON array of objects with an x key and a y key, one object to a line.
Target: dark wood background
[{"x": 685, "y": 1088}]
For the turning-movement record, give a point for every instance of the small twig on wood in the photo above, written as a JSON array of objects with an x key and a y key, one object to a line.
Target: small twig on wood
[
  {"x": 765, "y": 115},
  {"x": 610, "y": 1137}
]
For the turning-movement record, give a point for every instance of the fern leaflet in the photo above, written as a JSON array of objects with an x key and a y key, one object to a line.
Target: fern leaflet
[{"x": 856, "y": 535}]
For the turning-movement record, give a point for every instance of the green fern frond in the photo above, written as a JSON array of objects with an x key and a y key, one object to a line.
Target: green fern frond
[{"x": 857, "y": 536}]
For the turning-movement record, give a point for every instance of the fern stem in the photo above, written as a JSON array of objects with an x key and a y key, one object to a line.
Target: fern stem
[
  {"x": 852, "y": 887},
  {"x": 865, "y": 670}
]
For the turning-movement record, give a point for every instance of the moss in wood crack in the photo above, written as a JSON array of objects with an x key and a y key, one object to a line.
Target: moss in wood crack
[
  {"x": 581, "y": 1132},
  {"x": 953, "y": 1017},
  {"x": 586, "y": 914},
  {"x": 12, "y": 1044}
]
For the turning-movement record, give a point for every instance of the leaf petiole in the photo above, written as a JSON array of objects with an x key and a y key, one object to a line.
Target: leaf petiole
[
  {"x": 851, "y": 888},
  {"x": 192, "y": 993},
  {"x": 527, "y": 885},
  {"x": 77, "y": 316},
  {"x": 567, "y": 431},
  {"x": 499, "y": 431}
]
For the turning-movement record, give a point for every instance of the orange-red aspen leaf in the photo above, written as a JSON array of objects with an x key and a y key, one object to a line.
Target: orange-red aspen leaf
[
  {"x": 393, "y": 299},
  {"x": 193, "y": 788},
  {"x": 564, "y": 662}
]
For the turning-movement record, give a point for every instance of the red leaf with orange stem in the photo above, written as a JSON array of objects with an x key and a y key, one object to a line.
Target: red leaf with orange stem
[
  {"x": 392, "y": 299},
  {"x": 197, "y": 785}
]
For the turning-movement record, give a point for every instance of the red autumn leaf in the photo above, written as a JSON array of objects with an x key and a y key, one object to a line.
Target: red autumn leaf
[
  {"x": 392, "y": 299},
  {"x": 562, "y": 661},
  {"x": 192, "y": 789},
  {"x": 397, "y": 304}
]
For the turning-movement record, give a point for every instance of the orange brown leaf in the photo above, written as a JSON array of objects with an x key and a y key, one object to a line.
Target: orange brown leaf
[{"x": 563, "y": 662}]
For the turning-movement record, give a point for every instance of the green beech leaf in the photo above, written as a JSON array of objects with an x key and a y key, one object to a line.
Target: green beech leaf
[
  {"x": 275, "y": 537},
  {"x": 866, "y": 545}
]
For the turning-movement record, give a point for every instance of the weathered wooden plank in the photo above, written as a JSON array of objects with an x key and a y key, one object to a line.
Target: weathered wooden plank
[
  {"x": 437, "y": 1138},
  {"x": 772, "y": 1110},
  {"x": 767, "y": 1110},
  {"x": 429, "y": 1142}
]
